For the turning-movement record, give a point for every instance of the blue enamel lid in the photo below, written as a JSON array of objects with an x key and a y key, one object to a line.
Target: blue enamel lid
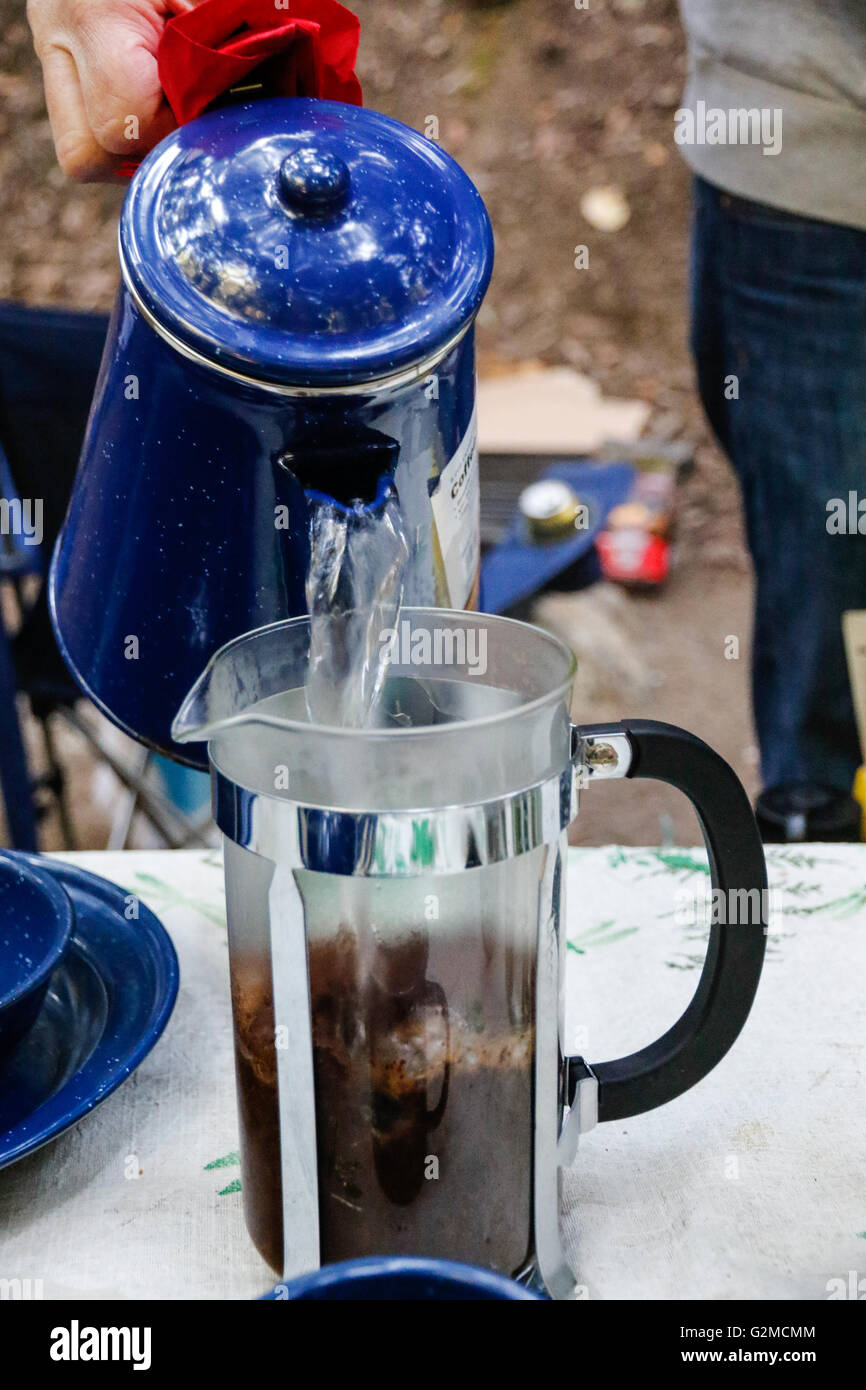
[{"x": 306, "y": 243}]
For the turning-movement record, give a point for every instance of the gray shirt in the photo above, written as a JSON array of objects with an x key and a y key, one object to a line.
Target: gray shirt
[{"x": 775, "y": 105}]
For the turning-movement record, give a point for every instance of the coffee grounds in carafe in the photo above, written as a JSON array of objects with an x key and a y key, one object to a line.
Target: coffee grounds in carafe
[
  {"x": 423, "y": 1100},
  {"x": 258, "y": 1113}
]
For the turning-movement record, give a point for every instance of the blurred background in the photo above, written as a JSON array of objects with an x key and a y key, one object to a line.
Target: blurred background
[{"x": 564, "y": 119}]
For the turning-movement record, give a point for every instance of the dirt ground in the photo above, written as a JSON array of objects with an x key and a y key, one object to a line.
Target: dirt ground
[{"x": 541, "y": 102}]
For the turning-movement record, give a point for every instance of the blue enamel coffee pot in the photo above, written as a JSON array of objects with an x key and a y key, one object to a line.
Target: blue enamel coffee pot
[{"x": 300, "y": 280}]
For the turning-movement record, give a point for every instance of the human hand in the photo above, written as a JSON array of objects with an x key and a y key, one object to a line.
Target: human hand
[{"x": 102, "y": 89}]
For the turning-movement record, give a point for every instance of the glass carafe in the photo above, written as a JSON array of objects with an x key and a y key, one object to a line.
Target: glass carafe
[{"x": 396, "y": 934}]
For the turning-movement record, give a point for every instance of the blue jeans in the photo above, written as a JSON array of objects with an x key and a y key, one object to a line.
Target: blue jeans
[{"x": 779, "y": 304}]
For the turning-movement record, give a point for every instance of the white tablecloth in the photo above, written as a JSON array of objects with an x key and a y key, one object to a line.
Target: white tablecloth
[{"x": 751, "y": 1185}]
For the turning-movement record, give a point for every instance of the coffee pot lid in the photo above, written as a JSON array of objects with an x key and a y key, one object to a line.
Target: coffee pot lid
[{"x": 305, "y": 243}]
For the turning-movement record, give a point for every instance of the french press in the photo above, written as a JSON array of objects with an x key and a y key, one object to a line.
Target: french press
[{"x": 396, "y": 910}]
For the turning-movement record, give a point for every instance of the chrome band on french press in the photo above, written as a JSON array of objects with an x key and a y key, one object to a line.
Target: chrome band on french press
[{"x": 395, "y": 844}]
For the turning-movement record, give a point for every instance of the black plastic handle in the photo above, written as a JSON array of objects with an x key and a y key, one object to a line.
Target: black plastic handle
[{"x": 738, "y": 934}]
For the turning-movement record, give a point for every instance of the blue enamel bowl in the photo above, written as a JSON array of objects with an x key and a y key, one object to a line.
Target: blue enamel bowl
[
  {"x": 36, "y": 923},
  {"x": 402, "y": 1278}
]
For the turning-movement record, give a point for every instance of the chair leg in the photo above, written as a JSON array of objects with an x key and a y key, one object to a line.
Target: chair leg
[
  {"x": 170, "y": 823},
  {"x": 121, "y": 821},
  {"x": 14, "y": 773},
  {"x": 57, "y": 782}
]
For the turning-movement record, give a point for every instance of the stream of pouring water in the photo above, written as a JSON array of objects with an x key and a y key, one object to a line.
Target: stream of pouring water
[{"x": 358, "y": 560}]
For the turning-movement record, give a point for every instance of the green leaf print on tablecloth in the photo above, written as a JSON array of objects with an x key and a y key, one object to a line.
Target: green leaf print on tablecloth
[
  {"x": 599, "y": 935},
  {"x": 848, "y": 906},
  {"x": 796, "y": 879},
  {"x": 679, "y": 861},
  {"x": 796, "y": 859},
  {"x": 659, "y": 860},
  {"x": 163, "y": 894},
  {"x": 230, "y": 1160}
]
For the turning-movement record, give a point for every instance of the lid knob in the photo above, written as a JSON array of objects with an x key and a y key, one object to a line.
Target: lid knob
[{"x": 314, "y": 181}]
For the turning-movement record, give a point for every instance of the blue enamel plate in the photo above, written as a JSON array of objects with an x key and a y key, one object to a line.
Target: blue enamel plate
[
  {"x": 402, "y": 1278},
  {"x": 107, "y": 1004}
]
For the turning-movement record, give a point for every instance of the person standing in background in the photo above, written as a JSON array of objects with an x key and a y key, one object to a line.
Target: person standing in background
[{"x": 773, "y": 125}]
